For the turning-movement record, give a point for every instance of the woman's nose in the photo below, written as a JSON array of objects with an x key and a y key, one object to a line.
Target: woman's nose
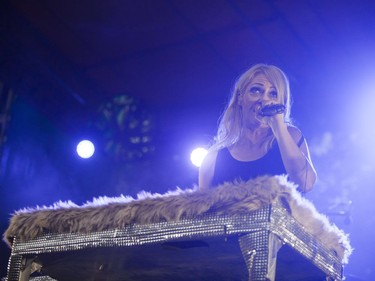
[{"x": 265, "y": 97}]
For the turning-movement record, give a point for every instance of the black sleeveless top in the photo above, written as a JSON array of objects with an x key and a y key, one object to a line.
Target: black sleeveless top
[{"x": 228, "y": 169}]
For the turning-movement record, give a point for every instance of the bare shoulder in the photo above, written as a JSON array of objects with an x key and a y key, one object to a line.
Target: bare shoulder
[
  {"x": 206, "y": 170},
  {"x": 209, "y": 160}
]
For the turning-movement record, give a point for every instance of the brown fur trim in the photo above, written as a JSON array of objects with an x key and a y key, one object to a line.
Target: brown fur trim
[{"x": 230, "y": 198}]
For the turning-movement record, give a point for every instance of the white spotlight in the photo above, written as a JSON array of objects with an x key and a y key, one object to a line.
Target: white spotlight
[
  {"x": 85, "y": 149},
  {"x": 197, "y": 156}
]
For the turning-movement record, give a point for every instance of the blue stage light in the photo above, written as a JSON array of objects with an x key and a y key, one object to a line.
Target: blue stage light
[
  {"x": 85, "y": 149},
  {"x": 197, "y": 156}
]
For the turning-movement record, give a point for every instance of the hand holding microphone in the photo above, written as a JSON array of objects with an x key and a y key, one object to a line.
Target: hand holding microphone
[{"x": 271, "y": 110}]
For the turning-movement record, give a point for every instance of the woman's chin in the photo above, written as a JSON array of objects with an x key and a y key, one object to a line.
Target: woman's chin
[
  {"x": 261, "y": 121},
  {"x": 258, "y": 123}
]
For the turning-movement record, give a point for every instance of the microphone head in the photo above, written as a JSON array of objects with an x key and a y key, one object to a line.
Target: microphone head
[{"x": 272, "y": 109}]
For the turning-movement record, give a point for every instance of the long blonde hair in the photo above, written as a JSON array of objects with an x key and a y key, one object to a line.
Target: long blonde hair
[{"x": 230, "y": 124}]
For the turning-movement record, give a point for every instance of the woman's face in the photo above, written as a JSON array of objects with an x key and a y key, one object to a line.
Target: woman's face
[{"x": 257, "y": 94}]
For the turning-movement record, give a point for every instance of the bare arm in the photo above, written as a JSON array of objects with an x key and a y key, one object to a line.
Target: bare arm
[{"x": 296, "y": 159}]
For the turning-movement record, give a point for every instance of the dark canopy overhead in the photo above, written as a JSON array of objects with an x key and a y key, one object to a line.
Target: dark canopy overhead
[{"x": 70, "y": 56}]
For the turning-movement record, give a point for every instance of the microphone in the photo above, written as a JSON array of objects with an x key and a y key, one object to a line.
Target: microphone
[{"x": 271, "y": 110}]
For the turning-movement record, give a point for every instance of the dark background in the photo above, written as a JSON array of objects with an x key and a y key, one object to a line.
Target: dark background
[{"x": 68, "y": 64}]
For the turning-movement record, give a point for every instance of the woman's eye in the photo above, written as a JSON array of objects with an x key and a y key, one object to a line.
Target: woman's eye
[
  {"x": 256, "y": 90},
  {"x": 273, "y": 94}
]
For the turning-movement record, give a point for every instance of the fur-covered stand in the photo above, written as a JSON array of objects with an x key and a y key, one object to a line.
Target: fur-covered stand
[{"x": 231, "y": 198}]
